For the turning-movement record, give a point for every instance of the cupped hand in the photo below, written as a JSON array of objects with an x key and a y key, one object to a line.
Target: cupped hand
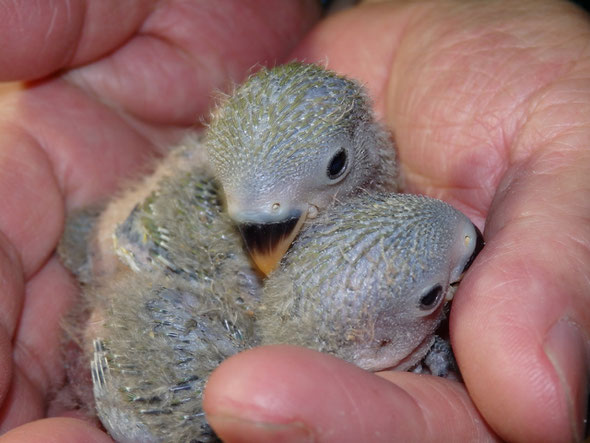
[
  {"x": 490, "y": 106},
  {"x": 109, "y": 84}
]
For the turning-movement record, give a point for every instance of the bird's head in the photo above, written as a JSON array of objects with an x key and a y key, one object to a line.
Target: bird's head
[
  {"x": 368, "y": 281},
  {"x": 289, "y": 142}
]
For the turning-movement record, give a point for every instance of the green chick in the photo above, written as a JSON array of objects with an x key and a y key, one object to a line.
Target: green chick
[
  {"x": 159, "y": 344},
  {"x": 368, "y": 281},
  {"x": 184, "y": 303},
  {"x": 289, "y": 142}
]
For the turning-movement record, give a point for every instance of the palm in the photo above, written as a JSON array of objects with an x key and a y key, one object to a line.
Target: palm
[{"x": 71, "y": 138}]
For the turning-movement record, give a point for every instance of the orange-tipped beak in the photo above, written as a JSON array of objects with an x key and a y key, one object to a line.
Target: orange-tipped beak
[{"x": 268, "y": 242}]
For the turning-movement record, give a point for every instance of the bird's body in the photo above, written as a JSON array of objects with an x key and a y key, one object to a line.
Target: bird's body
[
  {"x": 172, "y": 291},
  {"x": 159, "y": 343},
  {"x": 183, "y": 304}
]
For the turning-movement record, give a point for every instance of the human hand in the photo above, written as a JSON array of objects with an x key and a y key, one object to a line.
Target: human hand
[
  {"x": 490, "y": 104},
  {"x": 114, "y": 83}
]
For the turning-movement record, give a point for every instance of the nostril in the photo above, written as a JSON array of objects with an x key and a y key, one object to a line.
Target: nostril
[{"x": 479, "y": 244}]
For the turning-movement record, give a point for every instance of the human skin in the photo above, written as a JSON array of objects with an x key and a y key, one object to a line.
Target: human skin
[{"x": 490, "y": 105}]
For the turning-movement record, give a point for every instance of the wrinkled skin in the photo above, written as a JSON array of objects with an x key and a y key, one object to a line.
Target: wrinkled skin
[{"x": 490, "y": 102}]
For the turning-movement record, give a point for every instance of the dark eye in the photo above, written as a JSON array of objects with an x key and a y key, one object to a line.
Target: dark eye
[
  {"x": 431, "y": 297},
  {"x": 337, "y": 165}
]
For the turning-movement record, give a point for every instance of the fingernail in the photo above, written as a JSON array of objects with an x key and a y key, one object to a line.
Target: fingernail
[
  {"x": 233, "y": 429},
  {"x": 567, "y": 351}
]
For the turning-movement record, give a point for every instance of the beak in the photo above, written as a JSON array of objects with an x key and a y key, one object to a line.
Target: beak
[
  {"x": 479, "y": 244},
  {"x": 268, "y": 242}
]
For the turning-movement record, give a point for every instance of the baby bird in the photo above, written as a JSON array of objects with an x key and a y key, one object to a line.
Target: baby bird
[
  {"x": 288, "y": 143},
  {"x": 368, "y": 281},
  {"x": 183, "y": 306}
]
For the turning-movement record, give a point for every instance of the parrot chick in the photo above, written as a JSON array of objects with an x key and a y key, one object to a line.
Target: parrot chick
[
  {"x": 368, "y": 280},
  {"x": 160, "y": 341},
  {"x": 161, "y": 325},
  {"x": 286, "y": 144}
]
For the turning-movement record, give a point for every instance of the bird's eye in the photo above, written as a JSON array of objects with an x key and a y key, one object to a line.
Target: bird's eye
[
  {"x": 337, "y": 164},
  {"x": 431, "y": 297}
]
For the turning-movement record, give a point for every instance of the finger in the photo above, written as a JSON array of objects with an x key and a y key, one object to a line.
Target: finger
[
  {"x": 284, "y": 393},
  {"x": 11, "y": 300},
  {"x": 38, "y": 361},
  {"x": 11, "y": 295},
  {"x": 196, "y": 53},
  {"x": 525, "y": 303},
  {"x": 58, "y": 430},
  {"x": 84, "y": 145},
  {"x": 32, "y": 214},
  {"x": 49, "y": 295},
  {"x": 42, "y": 37},
  {"x": 23, "y": 402}
]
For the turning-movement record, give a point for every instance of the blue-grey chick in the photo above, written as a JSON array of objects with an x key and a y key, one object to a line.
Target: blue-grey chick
[
  {"x": 368, "y": 280},
  {"x": 289, "y": 142},
  {"x": 184, "y": 305}
]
